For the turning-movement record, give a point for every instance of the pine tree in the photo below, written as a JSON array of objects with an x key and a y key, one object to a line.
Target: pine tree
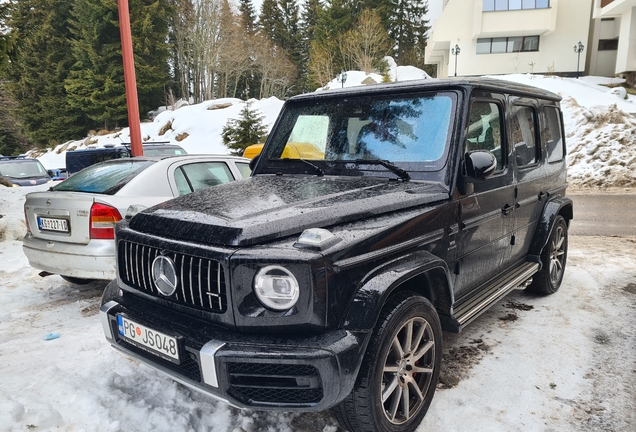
[
  {"x": 269, "y": 18},
  {"x": 248, "y": 129},
  {"x": 289, "y": 39},
  {"x": 309, "y": 19},
  {"x": 409, "y": 29},
  {"x": 149, "y": 28},
  {"x": 96, "y": 81},
  {"x": 248, "y": 16},
  {"x": 41, "y": 58},
  {"x": 279, "y": 21},
  {"x": 248, "y": 83},
  {"x": 12, "y": 141},
  {"x": 337, "y": 17},
  {"x": 6, "y": 41}
]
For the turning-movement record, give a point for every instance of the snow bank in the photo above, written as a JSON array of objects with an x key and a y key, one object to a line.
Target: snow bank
[
  {"x": 600, "y": 129},
  {"x": 396, "y": 73},
  {"x": 197, "y": 128}
]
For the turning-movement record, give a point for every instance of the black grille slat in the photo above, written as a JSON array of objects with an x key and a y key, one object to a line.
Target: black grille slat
[
  {"x": 137, "y": 261},
  {"x": 197, "y": 277},
  {"x": 180, "y": 271},
  {"x": 199, "y": 285},
  {"x": 209, "y": 285},
  {"x": 190, "y": 271}
]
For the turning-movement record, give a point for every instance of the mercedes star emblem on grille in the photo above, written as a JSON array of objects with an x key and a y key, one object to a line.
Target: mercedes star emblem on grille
[{"x": 164, "y": 275}]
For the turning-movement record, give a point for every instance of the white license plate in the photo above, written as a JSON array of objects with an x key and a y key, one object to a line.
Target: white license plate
[
  {"x": 53, "y": 224},
  {"x": 151, "y": 340}
]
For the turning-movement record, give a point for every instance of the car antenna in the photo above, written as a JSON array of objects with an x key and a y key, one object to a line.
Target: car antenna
[{"x": 125, "y": 144}]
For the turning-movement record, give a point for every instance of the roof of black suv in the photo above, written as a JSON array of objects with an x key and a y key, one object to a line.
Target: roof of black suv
[{"x": 439, "y": 83}]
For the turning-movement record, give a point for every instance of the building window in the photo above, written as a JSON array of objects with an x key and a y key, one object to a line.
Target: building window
[
  {"x": 504, "y": 5},
  {"x": 608, "y": 44},
  {"x": 507, "y": 44}
]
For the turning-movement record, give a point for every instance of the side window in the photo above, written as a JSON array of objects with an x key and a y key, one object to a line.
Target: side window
[
  {"x": 182, "y": 183},
  {"x": 484, "y": 130},
  {"x": 524, "y": 135},
  {"x": 244, "y": 169},
  {"x": 202, "y": 175},
  {"x": 552, "y": 134}
]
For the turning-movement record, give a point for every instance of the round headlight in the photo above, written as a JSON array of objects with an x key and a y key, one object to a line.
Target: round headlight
[{"x": 276, "y": 287}]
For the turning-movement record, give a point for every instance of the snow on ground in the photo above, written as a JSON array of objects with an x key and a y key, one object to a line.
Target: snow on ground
[
  {"x": 559, "y": 363},
  {"x": 599, "y": 124},
  {"x": 563, "y": 362}
]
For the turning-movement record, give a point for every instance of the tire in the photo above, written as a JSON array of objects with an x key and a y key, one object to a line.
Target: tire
[
  {"x": 393, "y": 368},
  {"x": 553, "y": 257},
  {"x": 77, "y": 281}
]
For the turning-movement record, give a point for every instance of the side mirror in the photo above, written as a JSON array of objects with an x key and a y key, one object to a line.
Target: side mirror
[{"x": 478, "y": 166}]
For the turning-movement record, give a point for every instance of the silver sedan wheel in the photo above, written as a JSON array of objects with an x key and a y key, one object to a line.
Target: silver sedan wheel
[
  {"x": 408, "y": 370},
  {"x": 557, "y": 255}
]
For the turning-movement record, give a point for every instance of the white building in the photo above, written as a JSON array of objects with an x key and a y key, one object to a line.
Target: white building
[
  {"x": 511, "y": 36},
  {"x": 614, "y": 31}
]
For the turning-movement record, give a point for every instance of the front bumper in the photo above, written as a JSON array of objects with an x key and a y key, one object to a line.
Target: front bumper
[
  {"x": 95, "y": 260},
  {"x": 291, "y": 373}
]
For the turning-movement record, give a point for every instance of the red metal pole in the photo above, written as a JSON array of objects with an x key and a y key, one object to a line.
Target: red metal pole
[{"x": 129, "y": 79}]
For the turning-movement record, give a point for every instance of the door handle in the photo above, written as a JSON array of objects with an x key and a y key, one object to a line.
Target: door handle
[{"x": 506, "y": 209}]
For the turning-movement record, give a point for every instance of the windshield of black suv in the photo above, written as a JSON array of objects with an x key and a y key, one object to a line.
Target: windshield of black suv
[
  {"x": 22, "y": 169},
  {"x": 411, "y": 132},
  {"x": 104, "y": 178}
]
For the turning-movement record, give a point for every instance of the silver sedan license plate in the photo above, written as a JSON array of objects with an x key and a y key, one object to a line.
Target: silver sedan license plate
[
  {"x": 148, "y": 339},
  {"x": 51, "y": 224}
]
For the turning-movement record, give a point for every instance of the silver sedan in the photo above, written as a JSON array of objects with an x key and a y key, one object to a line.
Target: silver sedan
[{"x": 71, "y": 226}]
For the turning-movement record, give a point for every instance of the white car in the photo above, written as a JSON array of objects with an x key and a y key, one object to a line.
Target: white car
[{"x": 70, "y": 227}]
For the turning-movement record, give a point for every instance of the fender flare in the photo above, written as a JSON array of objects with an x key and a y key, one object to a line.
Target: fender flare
[
  {"x": 377, "y": 286},
  {"x": 559, "y": 205}
]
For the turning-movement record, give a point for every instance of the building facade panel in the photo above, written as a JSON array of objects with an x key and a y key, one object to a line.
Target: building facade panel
[{"x": 535, "y": 39}]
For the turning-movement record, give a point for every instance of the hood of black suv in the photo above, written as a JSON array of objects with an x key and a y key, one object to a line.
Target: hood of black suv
[{"x": 264, "y": 208}]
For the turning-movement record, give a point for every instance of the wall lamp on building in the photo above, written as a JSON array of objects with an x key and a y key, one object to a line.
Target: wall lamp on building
[
  {"x": 578, "y": 49},
  {"x": 455, "y": 51}
]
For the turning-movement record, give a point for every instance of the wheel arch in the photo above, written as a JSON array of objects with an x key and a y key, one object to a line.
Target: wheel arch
[
  {"x": 420, "y": 272},
  {"x": 558, "y": 206}
]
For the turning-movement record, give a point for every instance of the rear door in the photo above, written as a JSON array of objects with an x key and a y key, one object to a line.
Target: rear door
[
  {"x": 539, "y": 167},
  {"x": 530, "y": 193}
]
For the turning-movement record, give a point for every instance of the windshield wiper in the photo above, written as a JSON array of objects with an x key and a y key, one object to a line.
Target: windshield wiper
[
  {"x": 319, "y": 172},
  {"x": 404, "y": 175}
]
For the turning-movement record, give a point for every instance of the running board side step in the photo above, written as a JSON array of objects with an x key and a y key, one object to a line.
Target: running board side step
[{"x": 469, "y": 309}]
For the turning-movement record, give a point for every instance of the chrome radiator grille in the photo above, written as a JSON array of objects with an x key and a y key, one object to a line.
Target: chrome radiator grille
[{"x": 200, "y": 281}]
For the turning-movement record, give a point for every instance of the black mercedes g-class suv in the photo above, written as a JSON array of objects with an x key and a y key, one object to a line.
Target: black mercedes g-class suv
[{"x": 376, "y": 218}]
